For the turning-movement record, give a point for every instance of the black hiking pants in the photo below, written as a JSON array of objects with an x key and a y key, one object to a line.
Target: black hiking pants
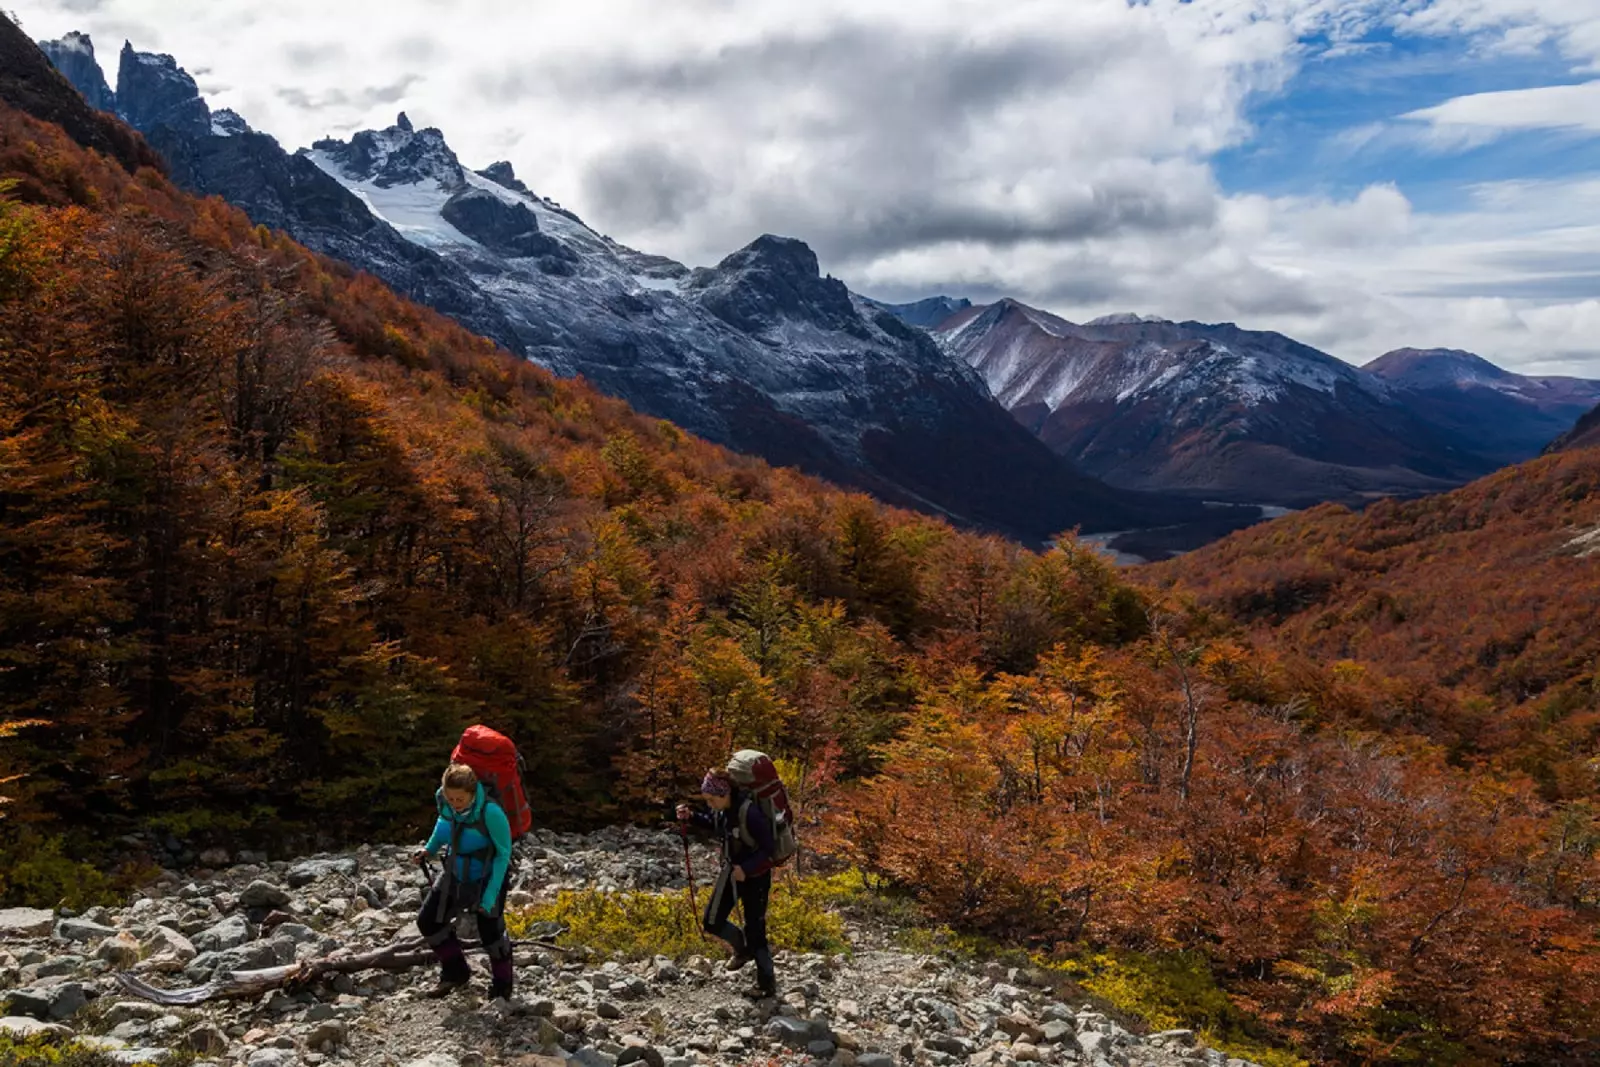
[
  {"x": 436, "y": 921},
  {"x": 754, "y": 893}
]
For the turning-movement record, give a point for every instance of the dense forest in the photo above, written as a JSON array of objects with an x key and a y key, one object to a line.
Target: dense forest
[{"x": 271, "y": 536}]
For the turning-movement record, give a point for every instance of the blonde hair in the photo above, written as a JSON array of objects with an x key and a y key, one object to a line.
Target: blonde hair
[{"x": 460, "y": 777}]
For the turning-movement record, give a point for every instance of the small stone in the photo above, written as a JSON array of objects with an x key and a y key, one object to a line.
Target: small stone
[
  {"x": 83, "y": 930},
  {"x": 874, "y": 1059},
  {"x": 1023, "y": 1052},
  {"x": 214, "y": 857},
  {"x": 589, "y": 1056},
  {"x": 328, "y": 1034},
  {"x": 1173, "y": 1037},
  {"x": 60, "y": 965},
  {"x": 1092, "y": 1045},
  {"x": 166, "y": 949},
  {"x": 231, "y": 932},
  {"x": 820, "y": 1049},
  {"x": 795, "y": 1033},
  {"x": 17, "y": 923},
  {"x": 1056, "y": 1031},
  {"x": 207, "y": 1039},
  {"x": 121, "y": 951},
  {"x": 607, "y": 1010},
  {"x": 135, "y": 1057},
  {"x": 304, "y": 873},
  {"x": 271, "y": 1057},
  {"x": 260, "y": 894},
  {"x": 641, "y": 1054}
]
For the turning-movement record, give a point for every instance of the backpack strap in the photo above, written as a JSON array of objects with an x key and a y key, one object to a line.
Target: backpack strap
[{"x": 744, "y": 823}]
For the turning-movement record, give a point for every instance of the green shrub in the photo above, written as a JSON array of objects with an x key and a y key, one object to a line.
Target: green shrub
[
  {"x": 640, "y": 924},
  {"x": 50, "y": 1050},
  {"x": 36, "y": 871},
  {"x": 1174, "y": 990}
]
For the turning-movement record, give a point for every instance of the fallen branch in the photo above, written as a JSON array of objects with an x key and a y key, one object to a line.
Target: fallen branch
[{"x": 400, "y": 956}]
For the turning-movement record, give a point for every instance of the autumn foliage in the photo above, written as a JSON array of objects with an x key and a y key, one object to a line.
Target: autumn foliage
[{"x": 271, "y": 536}]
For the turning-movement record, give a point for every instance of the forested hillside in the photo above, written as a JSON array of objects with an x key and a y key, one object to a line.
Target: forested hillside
[{"x": 270, "y": 536}]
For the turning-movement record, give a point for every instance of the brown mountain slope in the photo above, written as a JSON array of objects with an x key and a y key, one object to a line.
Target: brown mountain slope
[{"x": 1482, "y": 604}]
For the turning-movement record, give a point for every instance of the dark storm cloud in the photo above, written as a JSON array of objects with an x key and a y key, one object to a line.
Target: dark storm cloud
[
  {"x": 358, "y": 100},
  {"x": 645, "y": 186},
  {"x": 1105, "y": 209},
  {"x": 888, "y": 119}
]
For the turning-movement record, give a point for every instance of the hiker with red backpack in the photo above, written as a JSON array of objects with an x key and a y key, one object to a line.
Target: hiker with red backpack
[
  {"x": 482, "y": 808},
  {"x": 750, "y": 814}
]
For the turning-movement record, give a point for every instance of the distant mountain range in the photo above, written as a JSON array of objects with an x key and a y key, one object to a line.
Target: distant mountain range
[
  {"x": 1231, "y": 414},
  {"x": 1124, "y": 422},
  {"x": 1503, "y": 416},
  {"x": 761, "y": 352}
]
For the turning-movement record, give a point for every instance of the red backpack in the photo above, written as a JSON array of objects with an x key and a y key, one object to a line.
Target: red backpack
[
  {"x": 756, "y": 775},
  {"x": 498, "y": 765}
]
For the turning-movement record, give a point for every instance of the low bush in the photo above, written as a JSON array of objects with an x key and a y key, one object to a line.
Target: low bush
[{"x": 641, "y": 924}]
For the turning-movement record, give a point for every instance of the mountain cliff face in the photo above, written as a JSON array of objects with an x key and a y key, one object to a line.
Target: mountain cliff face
[
  {"x": 73, "y": 56},
  {"x": 1507, "y": 417},
  {"x": 1585, "y": 434},
  {"x": 761, "y": 352},
  {"x": 30, "y": 82},
  {"x": 1209, "y": 410}
]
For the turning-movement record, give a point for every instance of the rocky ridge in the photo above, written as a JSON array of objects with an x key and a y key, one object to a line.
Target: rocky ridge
[{"x": 875, "y": 1007}]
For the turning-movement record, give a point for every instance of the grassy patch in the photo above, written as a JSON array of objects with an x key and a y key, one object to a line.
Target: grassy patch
[
  {"x": 52, "y": 1050},
  {"x": 640, "y": 924}
]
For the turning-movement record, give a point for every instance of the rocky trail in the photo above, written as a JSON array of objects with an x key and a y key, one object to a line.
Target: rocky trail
[{"x": 877, "y": 1006}]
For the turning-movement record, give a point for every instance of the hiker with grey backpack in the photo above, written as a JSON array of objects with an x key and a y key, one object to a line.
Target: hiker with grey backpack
[{"x": 750, "y": 814}]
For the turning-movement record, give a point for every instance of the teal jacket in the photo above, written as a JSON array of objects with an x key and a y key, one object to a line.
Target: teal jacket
[{"x": 469, "y": 869}]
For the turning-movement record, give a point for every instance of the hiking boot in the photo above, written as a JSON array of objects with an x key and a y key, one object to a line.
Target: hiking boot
[
  {"x": 499, "y": 991},
  {"x": 736, "y": 962},
  {"x": 446, "y": 985}
]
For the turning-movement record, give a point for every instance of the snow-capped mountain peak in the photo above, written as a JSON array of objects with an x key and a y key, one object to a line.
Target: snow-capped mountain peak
[
  {"x": 1124, "y": 318},
  {"x": 398, "y": 155}
]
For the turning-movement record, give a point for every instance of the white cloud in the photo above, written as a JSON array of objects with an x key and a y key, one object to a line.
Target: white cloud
[
  {"x": 1059, "y": 152},
  {"x": 1476, "y": 119}
]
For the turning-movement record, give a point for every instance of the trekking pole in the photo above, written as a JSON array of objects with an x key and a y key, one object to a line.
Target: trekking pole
[
  {"x": 427, "y": 872},
  {"x": 688, "y": 870}
]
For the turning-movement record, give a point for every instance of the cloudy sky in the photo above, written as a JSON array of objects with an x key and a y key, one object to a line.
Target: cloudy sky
[{"x": 1361, "y": 174}]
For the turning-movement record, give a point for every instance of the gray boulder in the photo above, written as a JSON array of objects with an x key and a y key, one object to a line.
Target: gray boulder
[
  {"x": 308, "y": 871},
  {"x": 52, "y": 1003},
  {"x": 16, "y": 923},
  {"x": 83, "y": 930},
  {"x": 231, "y": 932},
  {"x": 21, "y": 1026},
  {"x": 259, "y": 894}
]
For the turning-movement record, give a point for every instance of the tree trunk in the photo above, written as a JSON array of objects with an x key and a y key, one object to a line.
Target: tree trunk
[{"x": 400, "y": 956}]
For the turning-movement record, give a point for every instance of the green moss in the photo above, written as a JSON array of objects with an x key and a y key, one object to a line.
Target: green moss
[{"x": 641, "y": 924}]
